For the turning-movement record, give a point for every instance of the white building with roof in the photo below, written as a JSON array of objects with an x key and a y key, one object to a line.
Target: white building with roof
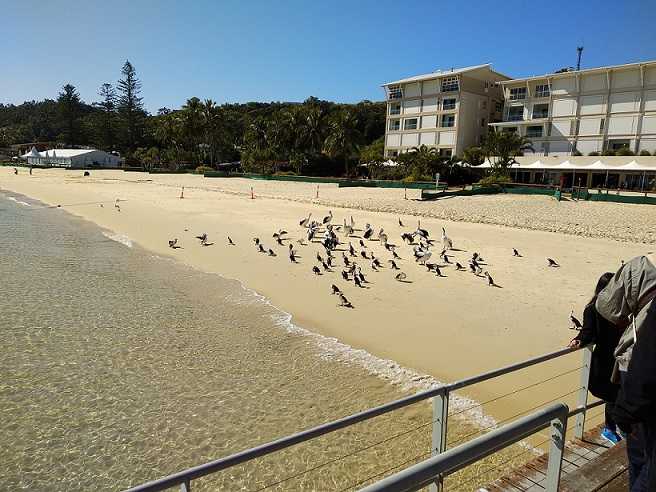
[
  {"x": 584, "y": 111},
  {"x": 76, "y": 158},
  {"x": 448, "y": 110}
]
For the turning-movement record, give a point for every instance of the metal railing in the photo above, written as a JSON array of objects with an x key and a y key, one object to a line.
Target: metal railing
[
  {"x": 440, "y": 402},
  {"x": 429, "y": 471}
]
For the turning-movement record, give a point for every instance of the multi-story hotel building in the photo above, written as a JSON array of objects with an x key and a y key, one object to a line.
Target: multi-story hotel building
[
  {"x": 583, "y": 111},
  {"x": 449, "y": 110}
]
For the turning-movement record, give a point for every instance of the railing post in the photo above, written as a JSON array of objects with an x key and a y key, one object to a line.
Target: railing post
[
  {"x": 582, "y": 400},
  {"x": 440, "y": 421},
  {"x": 554, "y": 466},
  {"x": 185, "y": 486}
]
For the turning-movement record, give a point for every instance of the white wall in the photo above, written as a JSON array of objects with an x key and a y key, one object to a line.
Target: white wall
[
  {"x": 561, "y": 128},
  {"x": 564, "y": 107},
  {"x": 563, "y": 86},
  {"x": 624, "y": 101},
  {"x": 650, "y": 100},
  {"x": 410, "y": 139},
  {"x": 625, "y": 79},
  {"x": 593, "y": 82},
  {"x": 429, "y": 121},
  {"x": 394, "y": 140},
  {"x": 650, "y": 76},
  {"x": 430, "y": 105},
  {"x": 447, "y": 138},
  {"x": 620, "y": 125},
  {"x": 589, "y": 126},
  {"x": 649, "y": 124},
  {"x": 411, "y": 90},
  {"x": 593, "y": 104},
  {"x": 587, "y": 146},
  {"x": 431, "y": 87},
  {"x": 427, "y": 138},
  {"x": 648, "y": 144},
  {"x": 412, "y": 107},
  {"x": 559, "y": 147}
]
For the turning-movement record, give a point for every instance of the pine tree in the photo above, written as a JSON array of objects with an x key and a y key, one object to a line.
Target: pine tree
[
  {"x": 130, "y": 106},
  {"x": 106, "y": 130},
  {"x": 70, "y": 107}
]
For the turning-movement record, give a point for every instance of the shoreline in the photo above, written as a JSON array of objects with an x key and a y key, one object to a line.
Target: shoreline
[{"x": 421, "y": 350}]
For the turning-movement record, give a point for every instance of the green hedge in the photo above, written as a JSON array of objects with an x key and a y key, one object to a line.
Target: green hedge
[{"x": 636, "y": 199}]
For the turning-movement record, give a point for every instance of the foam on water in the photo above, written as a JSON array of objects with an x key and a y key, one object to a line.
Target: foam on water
[
  {"x": 20, "y": 202},
  {"x": 119, "y": 238}
]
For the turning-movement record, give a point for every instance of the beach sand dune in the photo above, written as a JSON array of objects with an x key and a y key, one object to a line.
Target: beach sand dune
[{"x": 448, "y": 327}]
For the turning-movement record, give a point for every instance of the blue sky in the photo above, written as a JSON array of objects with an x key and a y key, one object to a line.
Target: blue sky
[{"x": 287, "y": 50}]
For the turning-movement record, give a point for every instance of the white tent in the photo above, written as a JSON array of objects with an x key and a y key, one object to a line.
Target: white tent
[
  {"x": 566, "y": 165},
  {"x": 631, "y": 166},
  {"x": 597, "y": 165}
]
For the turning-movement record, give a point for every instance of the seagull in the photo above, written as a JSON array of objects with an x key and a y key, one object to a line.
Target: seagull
[
  {"x": 363, "y": 253},
  {"x": 202, "y": 237},
  {"x": 447, "y": 243},
  {"x": 352, "y": 250},
  {"x": 260, "y": 248},
  {"x": 368, "y": 232},
  {"x": 356, "y": 279},
  {"x": 315, "y": 270},
  {"x": 328, "y": 218},
  {"x": 552, "y": 263},
  {"x": 400, "y": 276},
  {"x": 516, "y": 253},
  {"x": 305, "y": 222},
  {"x": 375, "y": 263},
  {"x": 292, "y": 256},
  {"x": 374, "y": 267},
  {"x": 271, "y": 252},
  {"x": 401, "y": 223},
  {"x": 490, "y": 280},
  {"x": 420, "y": 231},
  {"x": 362, "y": 243},
  {"x": 459, "y": 266},
  {"x": 279, "y": 240},
  {"x": 344, "y": 302},
  {"x": 395, "y": 255},
  {"x": 335, "y": 289},
  {"x": 319, "y": 258},
  {"x": 173, "y": 243},
  {"x": 345, "y": 275},
  {"x": 393, "y": 265},
  {"x": 576, "y": 324},
  {"x": 256, "y": 240},
  {"x": 325, "y": 266},
  {"x": 291, "y": 247},
  {"x": 230, "y": 242}
]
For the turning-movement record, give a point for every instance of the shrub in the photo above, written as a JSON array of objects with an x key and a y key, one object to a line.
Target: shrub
[
  {"x": 414, "y": 178},
  {"x": 624, "y": 151},
  {"x": 595, "y": 153},
  {"x": 644, "y": 152},
  {"x": 203, "y": 169},
  {"x": 285, "y": 173},
  {"x": 608, "y": 152},
  {"x": 494, "y": 180}
]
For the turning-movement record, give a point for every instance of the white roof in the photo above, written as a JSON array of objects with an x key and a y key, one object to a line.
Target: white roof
[
  {"x": 583, "y": 163},
  {"x": 68, "y": 152},
  {"x": 32, "y": 153},
  {"x": 442, "y": 73}
]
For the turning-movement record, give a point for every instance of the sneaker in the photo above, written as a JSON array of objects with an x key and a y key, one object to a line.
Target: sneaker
[{"x": 610, "y": 435}]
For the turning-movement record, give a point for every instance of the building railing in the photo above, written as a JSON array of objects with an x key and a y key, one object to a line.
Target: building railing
[
  {"x": 515, "y": 117},
  {"x": 440, "y": 402},
  {"x": 434, "y": 469}
]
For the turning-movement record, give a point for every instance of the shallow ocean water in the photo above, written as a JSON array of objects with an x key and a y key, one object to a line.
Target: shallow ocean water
[{"x": 119, "y": 367}]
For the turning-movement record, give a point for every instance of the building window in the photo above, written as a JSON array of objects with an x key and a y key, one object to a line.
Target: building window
[
  {"x": 510, "y": 129},
  {"x": 517, "y": 93},
  {"x": 395, "y": 109},
  {"x": 448, "y": 120},
  {"x": 515, "y": 113},
  {"x": 446, "y": 152},
  {"x": 448, "y": 104},
  {"x": 601, "y": 125},
  {"x": 450, "y": 84},
  {"x": 534, "y": 131},
  {"x": 542, "y": 90},
  {"x": 394, "y": 125},
  {"x": 395, "y": 92},
  {"x": 540, "y": 111},
  {"x": 410, "y": 124},
  {"x": 498, "y": 106}
]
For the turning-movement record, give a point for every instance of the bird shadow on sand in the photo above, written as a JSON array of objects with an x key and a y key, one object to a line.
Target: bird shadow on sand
[
  {"x": 497, "y": 286},
  {"x": 405, "y": 281}
]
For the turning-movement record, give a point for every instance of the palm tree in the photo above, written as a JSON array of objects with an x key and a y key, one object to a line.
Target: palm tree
[
  {"x": 192, "y": 117},
  {"x": 343, "y": 137},
  {"x": 314, "y": 128},
  {"x": 501, "y": 148}
]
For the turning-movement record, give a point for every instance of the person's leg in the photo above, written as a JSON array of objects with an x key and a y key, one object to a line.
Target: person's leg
[{"x": 608, "y": 412}]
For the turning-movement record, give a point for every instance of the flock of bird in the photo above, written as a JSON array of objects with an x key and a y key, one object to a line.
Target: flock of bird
[{"x": 346, "y": 248}]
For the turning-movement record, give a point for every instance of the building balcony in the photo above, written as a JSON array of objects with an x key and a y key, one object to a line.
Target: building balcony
[{"x": 515, "y": 117}]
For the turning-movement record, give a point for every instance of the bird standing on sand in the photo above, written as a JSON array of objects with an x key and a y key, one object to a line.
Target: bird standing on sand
[
  {"x": 344, "y": 302},
  {"x": 459, "y": 266},
  {"x": 315, "y": 270},
  {"x": 335, "y": 289},
  {"x": 292, "y": 256},
  {"x": 400, "y": 276},
  {"x": 490, "y": 281},
  {"x": 552, "y": 263},
  {"x": 576, "y": 324},
  {"x": 230, "y": 242},
  {"x": 400, "y": 223},
  {"x": 305, "y": 222},
  {"x": 447, "y": 243},
  {"x": 393, "y": 265},
  {"x": 328, "y": 218},
  {"x": 260, "y": 248},
  {"x": 271, "y": 252},
  {"x": 516, "y": 253},
  {"x": 345, "y": 275},
  {"x": 173, "y": 243},
  {"x": 356, "y": 279}
]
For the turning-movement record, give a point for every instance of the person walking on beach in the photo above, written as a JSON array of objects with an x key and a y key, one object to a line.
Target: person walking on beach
[
  {"x": 628, "y": 301},
  {"x": 605, "y": 336}
]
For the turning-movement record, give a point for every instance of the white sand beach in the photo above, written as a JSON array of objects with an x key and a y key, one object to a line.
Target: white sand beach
[{"x": 448, "y": 327}]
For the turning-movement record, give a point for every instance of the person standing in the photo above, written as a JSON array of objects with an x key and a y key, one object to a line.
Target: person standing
[
  {"x": 605, "y": 336},
  {"x": 628, "y": 301}
]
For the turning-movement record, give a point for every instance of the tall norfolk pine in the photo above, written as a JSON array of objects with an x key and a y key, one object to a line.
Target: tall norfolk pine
[{"x": 130, "y": 107}]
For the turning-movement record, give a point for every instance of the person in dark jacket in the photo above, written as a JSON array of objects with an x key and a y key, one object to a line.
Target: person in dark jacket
[
  {"x": 629, "y": 301},
  {"x": 605, "y": 336}
]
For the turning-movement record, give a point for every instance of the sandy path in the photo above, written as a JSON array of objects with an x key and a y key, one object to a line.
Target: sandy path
[{"x": 449, "y": 327}]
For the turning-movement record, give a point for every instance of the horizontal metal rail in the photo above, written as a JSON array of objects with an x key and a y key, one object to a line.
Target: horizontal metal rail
[
  {"x": 426, "y": 472},
  {"x": 185, "y": 476}
]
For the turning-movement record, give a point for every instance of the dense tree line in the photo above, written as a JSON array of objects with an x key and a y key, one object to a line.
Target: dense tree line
[{"x": 315, "y": 137}]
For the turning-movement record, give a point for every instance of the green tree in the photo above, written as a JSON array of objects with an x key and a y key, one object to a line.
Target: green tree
[
  {"x": 501, "y": 148},
  {"x": 474, "y": 156},
  {"x": 343, "y": 137},
  {"x": 70, "y": 105},
  {"x": 130, "y": 106},
  {"x": 373, "y": 156},
  {"x": 105, "y": 129}
]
